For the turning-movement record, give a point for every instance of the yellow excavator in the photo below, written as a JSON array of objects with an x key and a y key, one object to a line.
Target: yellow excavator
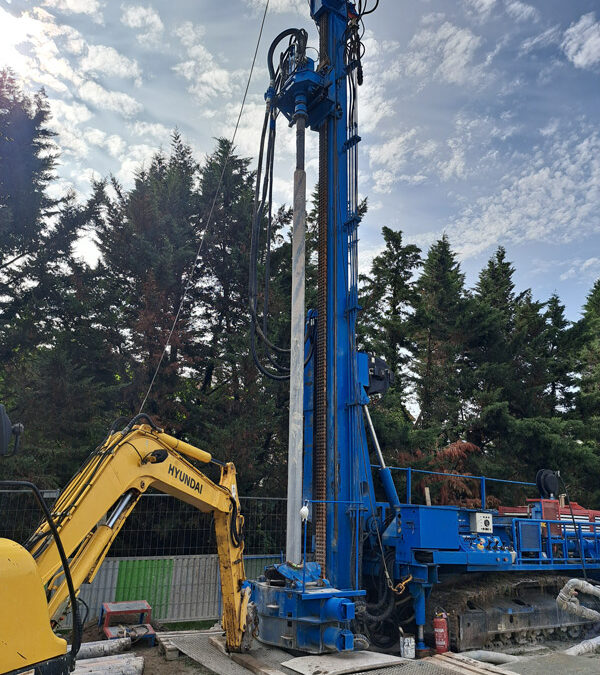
[{"x": 40, "y": 579}]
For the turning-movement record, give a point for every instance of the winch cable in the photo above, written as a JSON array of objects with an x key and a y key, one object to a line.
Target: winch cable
[{"x": 210, "y": 214}]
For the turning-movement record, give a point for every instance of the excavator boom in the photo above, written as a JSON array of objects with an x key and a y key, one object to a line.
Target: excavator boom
[{"x": 91, "y": 510}]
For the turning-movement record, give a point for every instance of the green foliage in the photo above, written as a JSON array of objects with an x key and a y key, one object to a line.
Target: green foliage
[
  {"x": 488, "y": 379},
  {"x": 500, "y": 370},
  {"x": 438, "y": 332}
]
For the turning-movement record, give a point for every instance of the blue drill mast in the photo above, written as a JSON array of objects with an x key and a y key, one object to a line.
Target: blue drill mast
[{"x": 351, "y": 541}]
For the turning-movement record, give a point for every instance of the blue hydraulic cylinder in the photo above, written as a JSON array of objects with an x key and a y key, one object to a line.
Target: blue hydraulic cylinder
[{"x": 385, "y": 475}]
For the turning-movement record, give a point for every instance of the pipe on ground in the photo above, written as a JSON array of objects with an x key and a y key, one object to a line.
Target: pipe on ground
[
  {"x": 496, "y": 658},
  {"x": 567, "y": 599},
  {"x": 585, "y": 647},
  {"x": 90, "y": 650}
]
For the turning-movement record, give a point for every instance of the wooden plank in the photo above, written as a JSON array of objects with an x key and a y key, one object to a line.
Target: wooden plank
[
  {"x": 489, "y": 667},
  {"x": 132, "y": 666},
  {"x": 466, "y": 665},
  {"x": 256, "y": 666},
  {"x": 166, "y": 647},
  {"x": 246, "y": 660},
  {"x": 218, "y": 642}
]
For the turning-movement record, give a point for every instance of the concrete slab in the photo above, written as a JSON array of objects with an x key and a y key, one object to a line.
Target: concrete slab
[
  {"x": 341, "y": 664},
  {"x": 556, "y": 664}
]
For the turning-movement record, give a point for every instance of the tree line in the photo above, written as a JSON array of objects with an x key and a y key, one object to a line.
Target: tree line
[{"x": 487, "y": 379}]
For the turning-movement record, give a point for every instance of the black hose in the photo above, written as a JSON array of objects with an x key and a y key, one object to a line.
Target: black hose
[
  {"x": 301, "y": 36},
  {"x": 87, "y": 612},
  {"x": 579, "y": 545},
  {"x": 237, "y": 536},
  {"x": 136, "y": 419}
]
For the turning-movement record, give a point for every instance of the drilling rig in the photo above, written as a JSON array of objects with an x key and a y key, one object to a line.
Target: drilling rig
[{"x": 357, "y": 566}]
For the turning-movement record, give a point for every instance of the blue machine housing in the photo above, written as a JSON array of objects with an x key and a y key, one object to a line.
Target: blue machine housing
[
  {"x": 304, "y": 612},
  {"x": 299, "y": 607}
]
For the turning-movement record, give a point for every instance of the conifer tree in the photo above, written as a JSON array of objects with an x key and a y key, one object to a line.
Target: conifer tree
[
  {"x": 387, "y": 298},
  {"x": 588, "y": 399},
  {"x": 560, "y": 344},
  {"x": 439, "y": 335}
]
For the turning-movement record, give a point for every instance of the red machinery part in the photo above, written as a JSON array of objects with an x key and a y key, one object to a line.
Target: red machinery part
[{"x": 440, "y": 631}]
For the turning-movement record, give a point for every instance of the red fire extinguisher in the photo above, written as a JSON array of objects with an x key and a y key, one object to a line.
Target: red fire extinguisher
[{"x": 440, "y": 630}]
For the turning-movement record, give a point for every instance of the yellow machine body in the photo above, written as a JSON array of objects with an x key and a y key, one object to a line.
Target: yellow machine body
[
  {"x": 88, "y": 515},
  {"x": 26, "y": 637}
]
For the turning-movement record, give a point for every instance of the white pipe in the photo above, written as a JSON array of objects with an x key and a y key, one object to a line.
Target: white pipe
[
  {"x": 90, "y": 650},
  {"x": 584, "y": 647},
  {"x": 296, "y": 419},
  {"x": 567, "y": 599},
  {"x": 374, "y": 437},
  {"x": 496, "y": 658}
]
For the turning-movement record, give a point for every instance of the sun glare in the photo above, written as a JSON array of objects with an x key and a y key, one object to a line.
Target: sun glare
[{"x": 18, "y": 37}]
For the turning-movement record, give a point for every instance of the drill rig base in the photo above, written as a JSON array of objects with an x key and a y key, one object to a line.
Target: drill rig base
[{"x": 298, "y": 610}]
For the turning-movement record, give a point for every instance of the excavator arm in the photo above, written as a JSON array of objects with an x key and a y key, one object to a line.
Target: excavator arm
[{"x": 93, "y": 507}]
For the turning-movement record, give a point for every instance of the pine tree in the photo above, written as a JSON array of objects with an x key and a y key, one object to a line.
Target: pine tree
[
  {"x": 27, "y": 160},
  {"x": 439, "y": 337},
  {"x": 560, "y": 344},
  {"x": 588, "y": 399},
  {"x": 387, "y": 297},
  {"x": 36, "y": 232},
  {"x": 148, "y": 239},
  {"x": 496, "y": 287},
  {"x": 232, "y": 408}
]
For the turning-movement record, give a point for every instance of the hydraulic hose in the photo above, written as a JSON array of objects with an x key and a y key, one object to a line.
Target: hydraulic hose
[
  {"x": 302, "y": 37},
  {"x": 567, "y": 599}
]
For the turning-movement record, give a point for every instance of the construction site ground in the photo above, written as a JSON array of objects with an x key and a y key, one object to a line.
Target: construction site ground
[{"x": 197, "y": 654}]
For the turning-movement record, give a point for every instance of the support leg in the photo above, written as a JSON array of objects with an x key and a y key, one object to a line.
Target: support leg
[{"x": 418, "y": 593}]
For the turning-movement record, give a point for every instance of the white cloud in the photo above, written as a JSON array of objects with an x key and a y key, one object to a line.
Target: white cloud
[
  {"x": 581, "y": 42},
  {"x": 113, "y": 143},
  {"x": 520, "y": 11},
  {"x": 135, "y": 158},
  {"x": 553, "y": 198},
  {"x": 207, "y": 79},
  {"x": 108, "y": 61},
  {"x": 426, "y": 149},
  {"x": 71, "y": 113},
  {"x": 98, "y": 96},
  {"x": 158, "y": 132},
  {"x": 545, "y": 39},
  {"x": 389, "y": 161},
  {"x": 481, "y": 7},
  {"x": 393, "y": 153},
  {"x": 90, "y": 7},
  {"x": 551, "y": 128},
  {"x": 446, "y": 53},
  {"x": 375, "y": 98},
  {"x": 455, "y": 167},
  {"x": 65, "y": 120},
  {"x": 190, "y": 33},
  {"x": 146, "y": 21},
  {"x": 279, "y": 6},
  {"x": 583, "y": 270}
]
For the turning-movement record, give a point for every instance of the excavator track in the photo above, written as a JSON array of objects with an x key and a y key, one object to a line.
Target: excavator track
[{"x": 502, "y": 609}]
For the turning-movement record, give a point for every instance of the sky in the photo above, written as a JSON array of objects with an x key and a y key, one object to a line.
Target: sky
[{"x": 478, "y": 118}]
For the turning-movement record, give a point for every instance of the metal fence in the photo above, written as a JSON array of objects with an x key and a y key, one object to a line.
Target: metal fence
[
  {"x": 165, "y": 553},
  {"x": 160, "y": 525}
]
